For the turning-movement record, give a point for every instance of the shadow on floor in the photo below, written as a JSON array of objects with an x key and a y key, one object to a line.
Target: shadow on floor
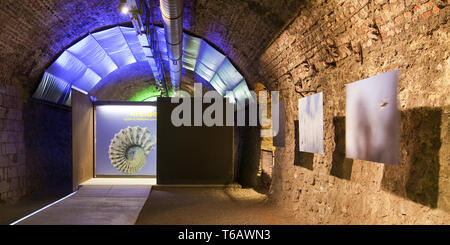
[
  {"x": 29, "y": 204},
  {"x": 417, "y": 175},
  {"x": 209, "y": 206}
]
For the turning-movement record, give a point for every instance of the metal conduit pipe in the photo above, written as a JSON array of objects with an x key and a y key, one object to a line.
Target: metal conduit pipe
[{"x": 172, "y": 13}]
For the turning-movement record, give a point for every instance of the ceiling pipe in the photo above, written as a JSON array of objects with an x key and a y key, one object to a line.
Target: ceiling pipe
[
  {"x": 172, "y": 13},
  {"x": 141, "y": 14}
]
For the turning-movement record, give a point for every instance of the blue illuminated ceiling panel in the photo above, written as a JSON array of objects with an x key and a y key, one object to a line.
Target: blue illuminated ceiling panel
[
  {"x": 93, "y": 55},
  {"x": 115, "y": 44},
  {"x": 191, "y": 48},
  {"x": 85, "y": 63},
  {"x": 51, "y": 88},
  {"x": 209, "y": 61},
  {"x": 241, "y": 95}
]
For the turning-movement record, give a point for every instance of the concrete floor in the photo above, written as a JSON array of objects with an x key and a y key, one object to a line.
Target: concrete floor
[
  {"x": 102, "y": 202},
  {"x": 29, "y": 204},
  {"x": 95, "y": 205},
  {"x": 169, "y": 205}
]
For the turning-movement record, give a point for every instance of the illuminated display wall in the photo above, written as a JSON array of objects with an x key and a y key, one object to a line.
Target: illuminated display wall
[{"x": 126, "y": 140}]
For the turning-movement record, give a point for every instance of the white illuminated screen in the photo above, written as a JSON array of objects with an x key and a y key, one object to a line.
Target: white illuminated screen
[{"x": 126, "y": 140}]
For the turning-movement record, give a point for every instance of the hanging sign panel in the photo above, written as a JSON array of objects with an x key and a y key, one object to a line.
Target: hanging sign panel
[
  {"x": 372, "y": 119},
  {"x": 126, "y": 140},
  {"x": 310, "y": 121}
]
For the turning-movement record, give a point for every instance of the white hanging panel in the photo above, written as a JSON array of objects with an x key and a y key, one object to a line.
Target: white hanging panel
[
  {"x": 191, "y": 49},
  {"x": 114, "y": 43},
  {"x": 89, "y": 51},
  {"x": 242, "y": 95},
  {"x": 67, "y": 67},
  {"x": 88, "y": 80},
  {"x": 51, "y": 88},
  {"x": 218, "y": 84},
  {"x": 229, "y": 75},
  {"x": 208, "y": 61},
  {"x": 134, "y": 43}
]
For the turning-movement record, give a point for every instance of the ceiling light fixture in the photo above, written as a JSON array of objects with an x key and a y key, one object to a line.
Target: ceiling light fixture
[{"x": 123, "y": 6}]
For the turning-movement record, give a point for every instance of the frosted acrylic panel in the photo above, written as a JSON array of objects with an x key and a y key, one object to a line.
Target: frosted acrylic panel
[
  {"x": 134, "y": 43},
  {"x": 226, "y": 78},
  {"x": 204, "y": 71},
  {"x": 93, "y": 56},
  {"x": 145, "y": 47},
  {"x": 372, "y": 119},
  {"x": 242, "y": 95},
  {"x": 88, "y": 80},
  {"x": 208, "y": 62},
  {"x": 114, "y": 43},
  {"x": 162, "y": 43},
  {"x": 310, "y": 123},
  {"x": 191, "y": 48},
  {"x": 51, "y": 88},
  {"x": 218, "y": 85},
  {"x": 229, "y": 75},
  {"x": 67, "y": 67},
  {"x": 68, "y": 101},
  {"x": 143, "y": 40}
]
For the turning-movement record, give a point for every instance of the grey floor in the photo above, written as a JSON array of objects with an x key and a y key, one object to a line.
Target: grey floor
[
  {"x": 206, "y": 205},
  {"x": 95, "y": 205}
]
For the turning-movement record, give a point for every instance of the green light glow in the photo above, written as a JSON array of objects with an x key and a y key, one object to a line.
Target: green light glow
[{"x": 145, "y": 94}]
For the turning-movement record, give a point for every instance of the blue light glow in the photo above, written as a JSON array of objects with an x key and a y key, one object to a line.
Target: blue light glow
[{"x": 86, "y": 63}]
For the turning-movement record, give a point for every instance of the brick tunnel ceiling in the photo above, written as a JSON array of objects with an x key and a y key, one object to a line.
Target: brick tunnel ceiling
[{"x": 37, "y": 31}]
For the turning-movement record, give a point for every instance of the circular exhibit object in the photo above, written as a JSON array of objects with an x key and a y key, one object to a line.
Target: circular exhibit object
[{"x": 129, "y": 148}]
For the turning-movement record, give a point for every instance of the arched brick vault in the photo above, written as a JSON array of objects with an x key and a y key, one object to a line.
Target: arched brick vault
[
  {"x": 329, "y": 44},
  {"x": 33, "y": 32}
]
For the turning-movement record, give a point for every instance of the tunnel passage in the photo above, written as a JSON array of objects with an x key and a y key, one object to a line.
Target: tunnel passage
[{"x": 298, "y": 48}]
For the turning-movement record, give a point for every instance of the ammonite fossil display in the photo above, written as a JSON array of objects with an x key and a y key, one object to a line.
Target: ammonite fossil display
[{"x": 129, "y": 148}]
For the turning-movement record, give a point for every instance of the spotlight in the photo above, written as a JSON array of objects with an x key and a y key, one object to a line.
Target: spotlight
[
  {"x": 123, "y": 6},
  {"x": 125, "y": 10}
]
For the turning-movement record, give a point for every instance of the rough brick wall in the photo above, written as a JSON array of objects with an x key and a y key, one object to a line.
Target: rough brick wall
[
  {"x": 241, "y": 28},
  {"x": 12, "y": 147},
  {"x": 48, "y": 147},
  {"x": 35, "y": 145},
  {"x": 335, "y": 42}
]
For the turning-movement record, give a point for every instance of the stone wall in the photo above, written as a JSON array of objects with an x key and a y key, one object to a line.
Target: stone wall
[
  {"x": 35, "y": 145},
  {"x": 335, "y": 42},
  {"x": 48, "y": 147},
  {"x": 12, "y": 146}
]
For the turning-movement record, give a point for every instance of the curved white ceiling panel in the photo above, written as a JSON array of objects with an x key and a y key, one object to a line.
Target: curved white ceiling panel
[
  {"x": 191, "y": 48},
  {"x": 89, "y": 51},
  {"x": 115, "y": 44},
  {"x": 208, "y": 61},
  {"x": 226, "y": 78},
  {"x": 51, "y": 88},
  {"x": 133, "y": 43},
  {"x": 92, "y": 58}
]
